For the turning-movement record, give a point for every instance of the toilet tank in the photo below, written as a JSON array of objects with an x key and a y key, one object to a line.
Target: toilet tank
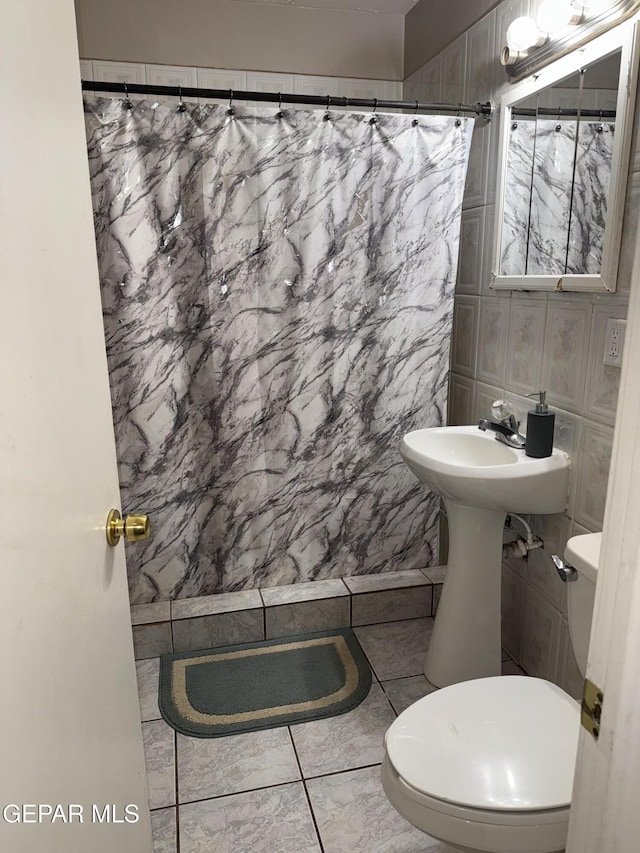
[{"x": 583, "y": 553}]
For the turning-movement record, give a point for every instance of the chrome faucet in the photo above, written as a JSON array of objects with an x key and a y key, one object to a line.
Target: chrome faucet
[{"x": 507, "y": 429}]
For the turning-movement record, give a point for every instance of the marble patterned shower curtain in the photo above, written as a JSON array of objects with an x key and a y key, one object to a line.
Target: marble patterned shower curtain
[
  {"x": 590, "y": 197},
  {"x": 278, "y": 297}
]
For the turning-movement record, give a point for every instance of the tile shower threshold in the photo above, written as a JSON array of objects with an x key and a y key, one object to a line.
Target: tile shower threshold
[{"x": 189, "y": 624}]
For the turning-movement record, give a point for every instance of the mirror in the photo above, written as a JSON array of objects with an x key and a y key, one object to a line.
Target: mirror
[{"x": 565, "y": 147}]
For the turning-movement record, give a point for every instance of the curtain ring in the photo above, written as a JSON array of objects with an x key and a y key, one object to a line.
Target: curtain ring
[
  {"x": 181, "y": 105},
  {"x": 279, "y": 114},
  {"x": 231, "y": 111},
  {"x": 415, "y": 122},
  {"x": 459, "y": 118},
  {"x": 327, "y": 114},
  {"x": 373, "y": 118},
  {"x": 126, "y": 101},
  {"x": 600, "y": 127},
  {"x": 559, "y": 126}
]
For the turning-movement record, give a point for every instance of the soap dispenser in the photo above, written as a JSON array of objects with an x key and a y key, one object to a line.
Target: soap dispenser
[{"x": 540, "y": 425}]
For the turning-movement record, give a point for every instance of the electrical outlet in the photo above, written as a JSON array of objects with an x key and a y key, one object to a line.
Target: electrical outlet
[{"x": 614, "y": 342}]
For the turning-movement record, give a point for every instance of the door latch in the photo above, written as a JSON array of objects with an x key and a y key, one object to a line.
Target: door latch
[{"x": 591, "y": 708}]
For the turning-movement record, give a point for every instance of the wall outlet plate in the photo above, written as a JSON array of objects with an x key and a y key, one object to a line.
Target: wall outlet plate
[{"x": 614, "y": 342}]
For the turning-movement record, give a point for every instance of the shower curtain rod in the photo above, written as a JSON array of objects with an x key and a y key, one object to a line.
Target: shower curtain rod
[
  {"x": 325, "y": 101},
  {"x": 562, "y": 112}
]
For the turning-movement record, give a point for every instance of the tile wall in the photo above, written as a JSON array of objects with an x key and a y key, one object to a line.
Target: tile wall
[
  {"x": 252, "y": 81},
  {"x": 205, "y": 622},
  {"x": 507, "y": 344}
]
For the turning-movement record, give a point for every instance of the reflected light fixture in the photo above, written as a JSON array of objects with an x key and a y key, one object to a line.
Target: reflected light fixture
[{"x": 554, "y": 16}]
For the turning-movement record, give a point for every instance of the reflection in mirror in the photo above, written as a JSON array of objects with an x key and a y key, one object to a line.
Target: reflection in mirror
[
  {"x": 554, "y": 172},
  {"x": 559, "y": 156},
  {"x": 518, "y": 188},
  {"x": 594, "y": 155}
]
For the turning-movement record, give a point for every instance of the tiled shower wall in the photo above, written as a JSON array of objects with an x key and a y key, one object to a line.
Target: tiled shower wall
[
  {"x": 252, "y": 81},
  {"x": 507, "y": 344}
]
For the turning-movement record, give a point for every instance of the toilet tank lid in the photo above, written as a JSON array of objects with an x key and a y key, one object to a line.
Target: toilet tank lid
[{"x": 583, "y": 553}]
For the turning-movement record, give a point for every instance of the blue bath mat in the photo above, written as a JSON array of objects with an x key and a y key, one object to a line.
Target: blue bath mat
[{"x": 262, "y": 685}]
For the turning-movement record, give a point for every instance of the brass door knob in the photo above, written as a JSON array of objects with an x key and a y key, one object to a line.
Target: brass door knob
[{"x": 133, "y": 527}]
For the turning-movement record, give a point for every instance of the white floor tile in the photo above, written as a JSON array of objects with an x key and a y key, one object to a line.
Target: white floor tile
[
  {"x": 272, "y": 820},
  {"x": 159, "y": 753},
  {"x": 212, "y": 767},
  {"x": 347, "y": 741},
  {"x": 164, "y": 826},
  {"x": 354, "y": 815},
  {"x": 147, "y": 672},
  {"x": 396, "y": 649},
  {"x": 402, "y": 692}
]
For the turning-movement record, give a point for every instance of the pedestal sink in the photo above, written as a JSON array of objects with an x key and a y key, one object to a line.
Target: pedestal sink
[{"x": 481, "y": 480}]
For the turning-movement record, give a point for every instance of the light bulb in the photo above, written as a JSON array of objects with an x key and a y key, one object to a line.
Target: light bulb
[
  {"x": 555, "y": 15},
  {"x": 523, "y": 33},
  {"x": 594, "y": 7}
]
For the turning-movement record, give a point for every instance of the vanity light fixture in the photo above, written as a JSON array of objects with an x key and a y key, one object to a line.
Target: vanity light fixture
[
  {"x": 524, "y": 33},
  {"x": 554, "y": 16},
  {"x": 560, "y": 26},
  {"x": 594, "y": 7}
]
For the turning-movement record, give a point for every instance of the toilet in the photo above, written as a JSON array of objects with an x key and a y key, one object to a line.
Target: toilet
[{"x": 487, "y": 766}]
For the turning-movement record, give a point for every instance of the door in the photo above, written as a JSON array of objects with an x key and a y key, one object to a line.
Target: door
[
  {"x": 68, "y": 704},
  {"x": 604, "y": 813}
]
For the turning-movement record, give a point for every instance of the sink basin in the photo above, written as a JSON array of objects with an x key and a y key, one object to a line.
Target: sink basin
[
  {"x": 481, "y": 480},
  {"x": 470, "y": 467}
]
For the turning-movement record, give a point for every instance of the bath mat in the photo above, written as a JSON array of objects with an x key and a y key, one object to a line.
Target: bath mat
[{"x": 262, "y": 685}]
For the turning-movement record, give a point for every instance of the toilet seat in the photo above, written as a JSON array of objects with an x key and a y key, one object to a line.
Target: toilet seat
[
  {"x": 486, "y": 764},
  {"x": 475, "y": 830}
]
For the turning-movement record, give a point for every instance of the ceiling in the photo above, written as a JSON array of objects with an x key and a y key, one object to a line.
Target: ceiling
[{"x": 384, "y": 7}]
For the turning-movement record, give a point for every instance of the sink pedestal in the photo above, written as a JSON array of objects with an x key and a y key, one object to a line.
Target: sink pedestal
[
  {"x": 466, "y": 639},
  {"x": 481, "y": 480}
]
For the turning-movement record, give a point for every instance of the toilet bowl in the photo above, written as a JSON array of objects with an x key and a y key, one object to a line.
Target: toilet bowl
[{"x": 487, "y": 765}]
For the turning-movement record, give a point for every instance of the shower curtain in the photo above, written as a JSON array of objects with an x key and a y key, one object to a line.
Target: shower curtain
[
  {"x": 555, "y": 220},
  {"x": 277, "y": 296}
]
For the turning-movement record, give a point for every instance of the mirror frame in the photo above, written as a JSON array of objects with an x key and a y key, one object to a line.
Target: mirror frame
[{"x": 625, "y": 39}]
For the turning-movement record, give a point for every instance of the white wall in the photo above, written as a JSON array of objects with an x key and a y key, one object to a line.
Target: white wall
[{"x": 253, "y": 36}]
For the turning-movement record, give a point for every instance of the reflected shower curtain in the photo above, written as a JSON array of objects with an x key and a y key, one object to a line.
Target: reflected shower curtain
[
  {"x": 554, "y": 222},
  {"x": 277, "y": 298},
  {"x": 569, "y": 206},
  {"x": 590, "y": 197}
]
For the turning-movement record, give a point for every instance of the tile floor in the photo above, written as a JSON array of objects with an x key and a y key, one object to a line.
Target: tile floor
[{"x": 296, "y": 789}]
